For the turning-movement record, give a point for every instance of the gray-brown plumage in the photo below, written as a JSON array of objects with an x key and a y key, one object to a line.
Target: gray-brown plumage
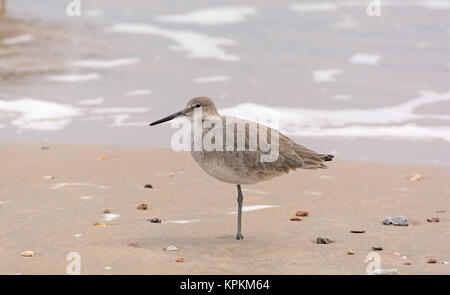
[{"x": 229, "y": 164}]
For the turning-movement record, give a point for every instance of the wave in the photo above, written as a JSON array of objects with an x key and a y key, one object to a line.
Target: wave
[{"x": 391, "y": 121}]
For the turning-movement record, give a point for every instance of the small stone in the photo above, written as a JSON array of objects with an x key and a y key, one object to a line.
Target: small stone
[
  {"x": 77, "y": 235},
  {"x": 416, "y": 177},
  {"x": 27, "y": 253},
  {"x": 433, "y": 219},
  {"x": 99, "y": 224},
  {"x": 180, "y": 259},
  {"x": 396, "y": 220},
  {"x": 377, "y": 248},
  {"x": 171, "y": 174},
  {"x": 432, "y": 260},
  {"x": 440, "y": 211},
  {"x": 49, "y": 177},
  {"x": 407, "y": 263},
  {"x": 107, "y": 268},
  {"x": 45, "y": 147},
  {"x": 102, "y": 157},
  {"x": 171, "y": 248},
  {"x": 404, "y": 257},
  {"x": 142, "y": 207},
  {"x": 445, "y": 262},
  {"x": 148, "y": 186},
  {"x": 357, "y": 231},
  {"x": 154, "y": 220},
  {"x": 107, "y": 211},
  {"x": 302, "y": 213},
  {"x": 133, "y": 244},
  {"x": 323, "y": 241},
  {"x": 350, "y": 252},
  {"x": 296, "y": 218},
  {"x": 396, "y": 254}
]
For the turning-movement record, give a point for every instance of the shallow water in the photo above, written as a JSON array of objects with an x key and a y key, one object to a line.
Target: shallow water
[{"x": 335, "y": 79}]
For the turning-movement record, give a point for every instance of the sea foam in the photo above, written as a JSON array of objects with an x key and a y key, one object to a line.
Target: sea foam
[
  {"x": 197, "y": 45},
  {"x": 394, "y": 121}
]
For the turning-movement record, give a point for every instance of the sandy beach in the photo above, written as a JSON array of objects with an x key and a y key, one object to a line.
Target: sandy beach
[{"x": 51, "y": 197}]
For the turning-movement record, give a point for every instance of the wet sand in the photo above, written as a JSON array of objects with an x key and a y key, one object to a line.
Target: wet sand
[{"x": 43, "y": 215}]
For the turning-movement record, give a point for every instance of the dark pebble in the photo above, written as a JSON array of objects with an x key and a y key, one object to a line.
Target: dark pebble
[
  {"x": 148, "y": 186},
  {"x": 323, "y": 241},
  {"x": 154, "y": 220}
]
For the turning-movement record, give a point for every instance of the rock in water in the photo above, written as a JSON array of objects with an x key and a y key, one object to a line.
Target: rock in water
[{"x": 396, "y": 220}]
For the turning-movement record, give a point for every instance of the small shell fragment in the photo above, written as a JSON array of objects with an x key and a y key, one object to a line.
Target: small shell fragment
[
  {"x": 27, "y": 253},
  {"x": 396, "y": 220},
  {"x": 180, "y": 259},
  {"x": 49, "y": 177},
  {"x": 142, "y": 207},
  {"x": 171, "y": 174},
  {"x": 396, "y": 254},
  {"x": 107, "y": 211},
  {"x": 407, "y": 263},
  {"x": 357, "y": 231},
  {"x": 296, "y": 218},
  {"x": 377, "y": 248},
  {"x": 350, "y": 252},
  {"x": 416, "y": 177},
  {"x": 385, "y": 271},
  {"x": 154, "y": 220},
  {"x": 445, "y": 262},
  {"x": 99, "y": 224},
  {"x": 433, "y": 219},
  {"x": 107, "y": 268},
  {"x": 432, "y": 260},
  {"x": 302, "y": 213},
  {"x": 77, "y": 235},
  {"x": 102, "y": 157},
  {"x": 171, "y": 248},
  {"x": 134, "y": 244}
]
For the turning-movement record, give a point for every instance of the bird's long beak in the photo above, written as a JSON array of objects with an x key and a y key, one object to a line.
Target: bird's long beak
[{"x": 170, "y": 117}]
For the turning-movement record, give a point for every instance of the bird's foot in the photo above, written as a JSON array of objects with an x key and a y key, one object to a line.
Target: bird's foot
[{"x": 239, "y": 237}]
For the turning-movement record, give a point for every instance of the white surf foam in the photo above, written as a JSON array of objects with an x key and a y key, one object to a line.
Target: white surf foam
[
  {"x": 196, "y": 45},
  {"x": 365, "y": 59},
  {"x": 309, "y": 7},
  {"x": 74, "y": 77},
  {"x": 94, "y": 101},
  {"x": 38, "y": 114},
  {"x": 253, "y": 208},
  {"x": 326, "y": 75},
  {"x": 211, "y": 16},
  {"x": 138, "y": 92},
  {"x": 211, "y": 79},
  {"x": 390, "y": 121},
  {"x": 117, "y": 110},
  {"x": 333, "y": 6},
  {"x": 18, "y": 39},
  {"x": 103, "y": 64}
]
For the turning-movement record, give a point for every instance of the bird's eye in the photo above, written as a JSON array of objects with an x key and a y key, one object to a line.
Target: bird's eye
[{"x": 197, "y": 105}]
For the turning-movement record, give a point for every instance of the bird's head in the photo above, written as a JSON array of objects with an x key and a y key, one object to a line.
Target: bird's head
[{"x": 203, "y": 103}]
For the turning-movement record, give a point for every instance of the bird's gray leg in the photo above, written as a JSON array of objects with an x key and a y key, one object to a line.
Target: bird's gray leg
[{"x": 240, "y": 198}]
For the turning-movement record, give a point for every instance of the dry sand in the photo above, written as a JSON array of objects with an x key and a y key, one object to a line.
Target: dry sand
[{"x": 349, "y": 196}]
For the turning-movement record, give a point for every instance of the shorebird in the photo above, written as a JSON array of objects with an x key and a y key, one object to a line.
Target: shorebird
[{"x": 243, "y": 165}]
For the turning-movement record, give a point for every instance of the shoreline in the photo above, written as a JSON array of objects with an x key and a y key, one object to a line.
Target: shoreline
[{"x": 44, "y": 215}]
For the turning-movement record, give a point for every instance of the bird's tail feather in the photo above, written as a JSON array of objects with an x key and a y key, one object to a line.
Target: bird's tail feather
[{"x": 311, "y": 159}]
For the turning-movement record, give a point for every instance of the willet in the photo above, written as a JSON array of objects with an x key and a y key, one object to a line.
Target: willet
[{"x": 242, "y": 164}]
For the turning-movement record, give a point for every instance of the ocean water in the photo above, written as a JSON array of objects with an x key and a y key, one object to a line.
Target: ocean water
[{"x": 373, "y": 88}]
